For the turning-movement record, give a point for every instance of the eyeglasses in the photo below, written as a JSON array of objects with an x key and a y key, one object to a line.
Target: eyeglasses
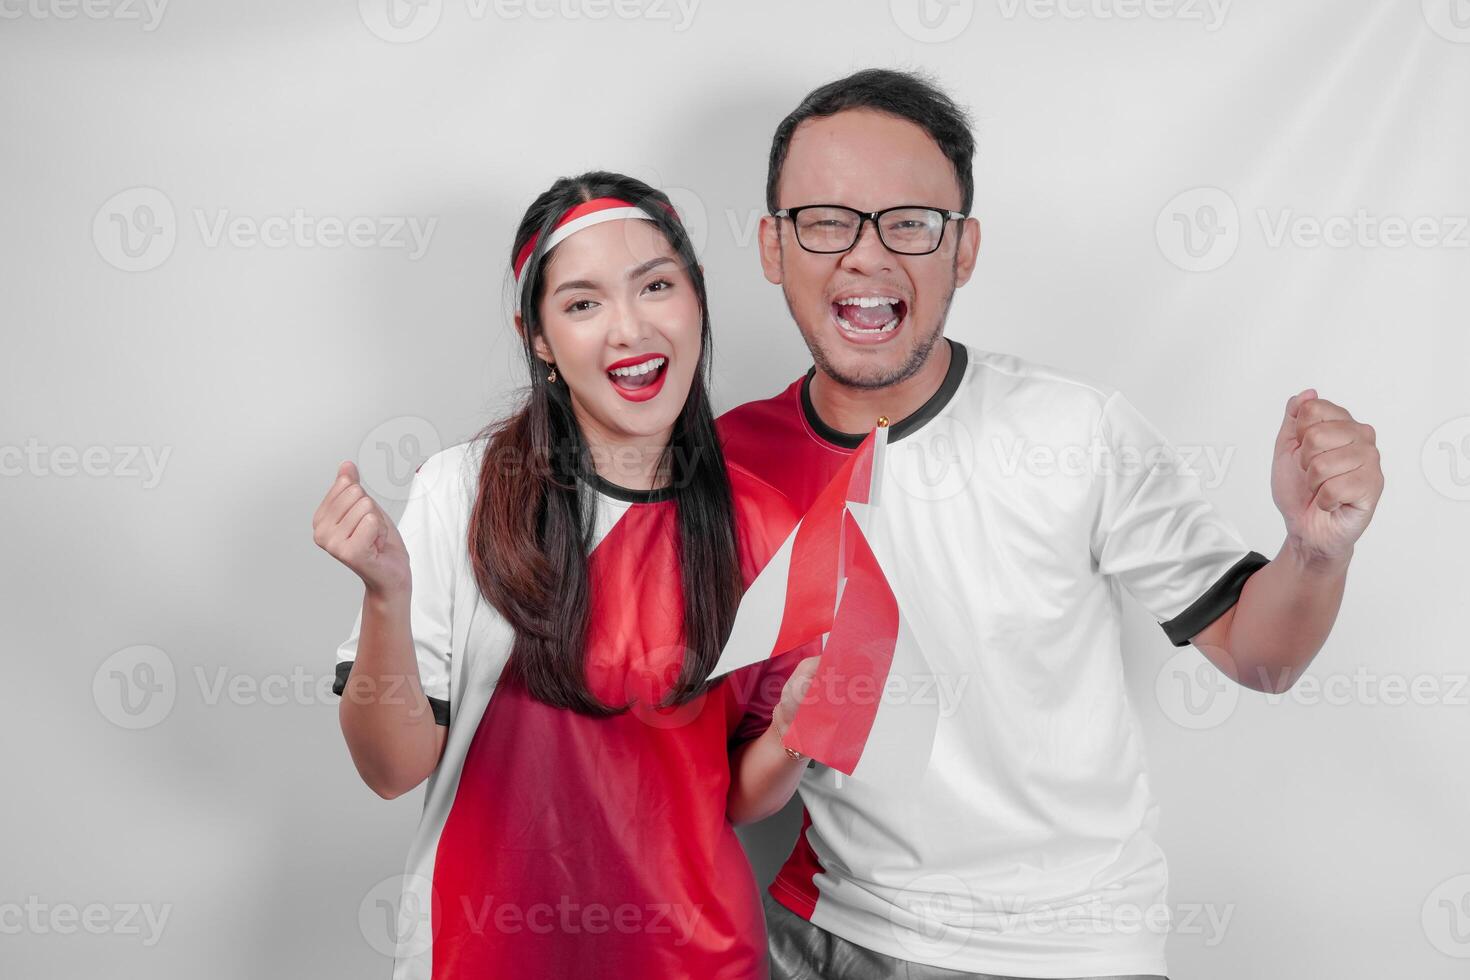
[{"x": 906, "y": 229}]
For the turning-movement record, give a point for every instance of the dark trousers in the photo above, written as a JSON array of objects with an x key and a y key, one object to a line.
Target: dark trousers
[{"x": 802, "y": 951}]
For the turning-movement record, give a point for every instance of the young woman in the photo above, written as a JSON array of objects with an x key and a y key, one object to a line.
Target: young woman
[{"x": 537, "y": 633}]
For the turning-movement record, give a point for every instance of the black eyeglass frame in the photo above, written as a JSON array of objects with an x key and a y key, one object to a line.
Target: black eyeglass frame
[{"x": 872, "y": 216}]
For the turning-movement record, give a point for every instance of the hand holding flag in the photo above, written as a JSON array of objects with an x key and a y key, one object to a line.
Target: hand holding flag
[{"x": 825, "y": 581}]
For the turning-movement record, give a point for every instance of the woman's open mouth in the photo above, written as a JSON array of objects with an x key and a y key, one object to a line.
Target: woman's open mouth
[
  {"x": 869, "y": 319},
  {"x": 639, "y": 378}
]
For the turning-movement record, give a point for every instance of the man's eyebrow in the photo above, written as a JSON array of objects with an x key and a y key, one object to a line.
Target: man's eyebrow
[{"x": 633, "y": 273}]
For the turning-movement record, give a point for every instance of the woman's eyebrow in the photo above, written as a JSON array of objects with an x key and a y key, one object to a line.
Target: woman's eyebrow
[
  {"x": 633, "y": 273},
  {"x": 654, "y": 263},
  {"x": 574, "y": 284}
]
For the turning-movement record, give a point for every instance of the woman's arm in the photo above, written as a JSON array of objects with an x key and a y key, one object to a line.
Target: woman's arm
[
  {"x": 762, "y": 775},
  {"x": 385, "y": 716}
]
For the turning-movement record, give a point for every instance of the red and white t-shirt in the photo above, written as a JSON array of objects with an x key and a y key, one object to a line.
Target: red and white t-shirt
[
  {"x": 553, "y": 844},
  {"x": 1017, "y": 505}
]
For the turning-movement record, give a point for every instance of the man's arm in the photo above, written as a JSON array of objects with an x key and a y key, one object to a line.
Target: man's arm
[
  {"x": 1267, "y": 639},
  {"x": 1326, "y": 479}
]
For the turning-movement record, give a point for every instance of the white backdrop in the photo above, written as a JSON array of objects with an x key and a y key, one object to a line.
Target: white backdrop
[{"x": 242, "y": 242}]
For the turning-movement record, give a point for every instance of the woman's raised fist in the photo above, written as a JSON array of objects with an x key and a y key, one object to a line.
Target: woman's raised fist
[{"x": 351, "y": 527}]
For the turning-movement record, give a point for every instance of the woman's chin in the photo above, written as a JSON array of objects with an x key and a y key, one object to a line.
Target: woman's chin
[
  {"x": 621, "y": 417},
  {"x": 634, "y": 420}
]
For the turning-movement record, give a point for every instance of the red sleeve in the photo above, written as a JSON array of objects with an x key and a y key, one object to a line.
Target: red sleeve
[{"x": 764, "y": 518}]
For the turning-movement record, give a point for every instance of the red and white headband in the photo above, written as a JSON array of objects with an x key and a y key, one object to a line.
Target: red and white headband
[{"x": 584, "y": 215}]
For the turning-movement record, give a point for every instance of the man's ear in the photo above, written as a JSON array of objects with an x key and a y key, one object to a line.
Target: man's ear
[
  {"x": 969, "y": 248},
  {"x": 769, "y": 242}
]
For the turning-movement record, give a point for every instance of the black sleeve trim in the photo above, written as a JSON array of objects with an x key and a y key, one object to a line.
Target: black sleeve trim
[
  {"x": 439, "y": 707},
  {"x": 340, "y": 684},
  {"x": 1215, "y": 601}
]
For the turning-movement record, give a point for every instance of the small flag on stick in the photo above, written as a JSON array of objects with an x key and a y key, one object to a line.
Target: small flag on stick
[{"x": 825, "y": 581}]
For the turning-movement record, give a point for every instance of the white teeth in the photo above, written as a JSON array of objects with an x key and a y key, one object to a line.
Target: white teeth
[
  {"x": 637, "y": 369},
  {"x": 868, "y": 301},
  {"x": 883, "y": 329}
]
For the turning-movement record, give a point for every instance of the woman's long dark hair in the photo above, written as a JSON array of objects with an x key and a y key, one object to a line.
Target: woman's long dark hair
[{"x": 533, "y": 520}]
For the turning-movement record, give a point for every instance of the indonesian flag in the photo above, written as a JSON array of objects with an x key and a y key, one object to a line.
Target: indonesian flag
[{"x": 825, "y": 582}]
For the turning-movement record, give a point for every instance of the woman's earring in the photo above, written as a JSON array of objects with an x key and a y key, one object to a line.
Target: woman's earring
[{"x": 552, "y": 376}]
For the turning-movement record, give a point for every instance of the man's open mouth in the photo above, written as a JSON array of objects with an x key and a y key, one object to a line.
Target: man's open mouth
[{"x": 869, "y": 317}]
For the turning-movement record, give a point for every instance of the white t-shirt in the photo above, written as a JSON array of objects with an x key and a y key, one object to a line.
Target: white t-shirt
[{"x": 1017, "y": 506}]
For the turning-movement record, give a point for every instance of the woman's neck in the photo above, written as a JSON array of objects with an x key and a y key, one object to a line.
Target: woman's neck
[{"x": 631, "y": 462}]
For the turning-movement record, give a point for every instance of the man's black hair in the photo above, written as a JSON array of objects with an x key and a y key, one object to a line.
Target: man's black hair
[{"x": 906, "y": 95}]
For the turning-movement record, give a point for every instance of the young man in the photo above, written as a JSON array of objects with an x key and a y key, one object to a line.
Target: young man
[{"x": 1027, "y": 849}]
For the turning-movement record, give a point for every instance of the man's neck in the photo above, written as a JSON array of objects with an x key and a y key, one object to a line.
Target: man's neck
[{"x": 854, "y": 410}]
